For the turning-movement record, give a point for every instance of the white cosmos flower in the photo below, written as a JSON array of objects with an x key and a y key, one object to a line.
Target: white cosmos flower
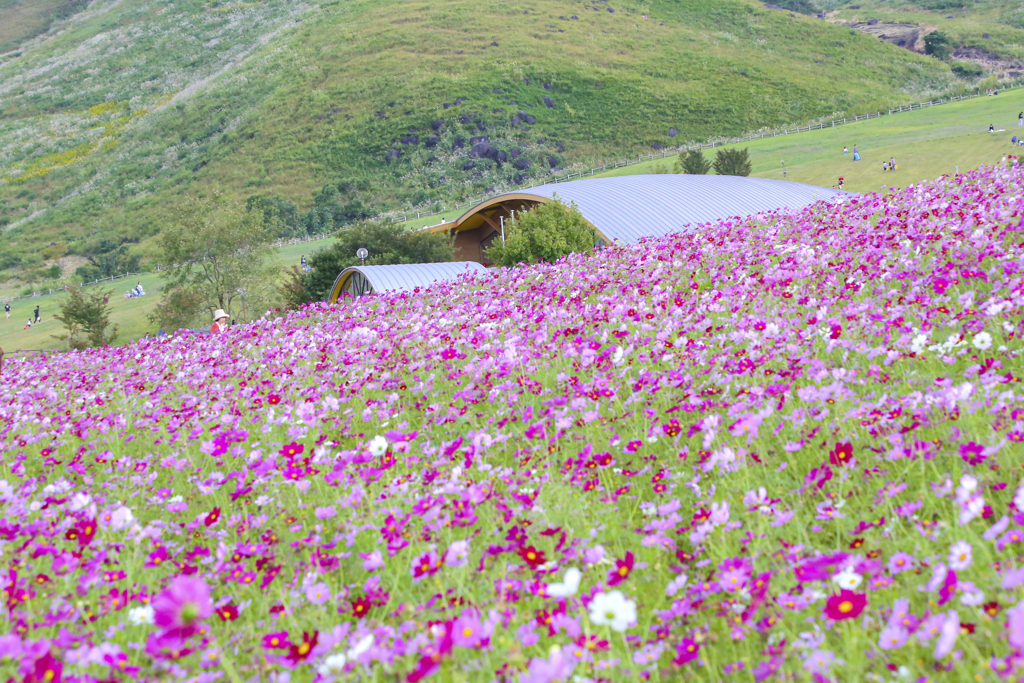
[
  {"x": 378, "y": 446},
  {"x": 982, "y": 341},
  {"x": 614, "y": 610},
  {"x": 569, "y": 585},
  {"x": 919, "y": 342},
  {"x": 848, "y": 579},
  {"x": 141, "y": 615},
  {"x": 79, "y": 501},
  {"x": 960, "y": 556},
  {"x": 334, "y": 664},
  {"x": 617, "y": 356},
  {"x": 362, "y": 646}
]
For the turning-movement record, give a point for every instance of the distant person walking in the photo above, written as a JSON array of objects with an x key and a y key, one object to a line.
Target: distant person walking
[
  {"x": 845, "y": 150},
  {"x": 856, "y": 154},
  {"x": 1020, "y": 119},
  {"x": 37, "y": 314},
  {"x": 220, "y": 321},
  {"x": 7, "y": 309},
  {"x": 840, "y": 182},
  {"x": 303, "y": 261},
  {"x": 892, "y": 163}
]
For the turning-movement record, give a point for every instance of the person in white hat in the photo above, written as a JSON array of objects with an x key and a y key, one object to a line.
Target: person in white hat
[{"x": 220, "y": 321}]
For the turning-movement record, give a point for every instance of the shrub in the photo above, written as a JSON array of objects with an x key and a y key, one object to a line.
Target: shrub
[
  {"x": 966, "y": 69},
  {"x": 693, "y": 162},
  {"x": 937, "y": 45},
  {"x": 387, "y": 243},
  {"x": 544, "y": 233},
  {"x": 86, "y": 318},
  {"x": 732, "y": 162}
]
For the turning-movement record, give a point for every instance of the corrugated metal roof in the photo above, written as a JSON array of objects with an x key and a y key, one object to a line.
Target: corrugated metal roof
[
  {"x": 406, "y": 277},
  {"x": 626, "y": 208}
]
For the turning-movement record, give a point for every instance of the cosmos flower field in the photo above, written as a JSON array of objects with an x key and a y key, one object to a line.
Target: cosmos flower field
[{"x": 787, "y": 447}]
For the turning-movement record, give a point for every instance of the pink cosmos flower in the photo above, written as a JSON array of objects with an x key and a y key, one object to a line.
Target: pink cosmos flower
[
  {"x": 947, "y": 635},
  {"x": 318, "y": 594},
  {"x": 372, "y": 561},
  {"x": 179, "y": 609}
]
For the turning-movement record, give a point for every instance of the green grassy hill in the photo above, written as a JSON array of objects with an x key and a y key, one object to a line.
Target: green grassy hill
[
  {"x": 982, "y": 33},
  {"x": 116, "y": 113}
]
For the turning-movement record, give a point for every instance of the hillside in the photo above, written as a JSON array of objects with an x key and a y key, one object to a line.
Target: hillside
[
  {"x": 983, "y": 35},
  {"x": 115, "y": 114}
]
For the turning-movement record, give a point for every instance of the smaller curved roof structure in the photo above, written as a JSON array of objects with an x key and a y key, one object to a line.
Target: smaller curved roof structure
[{"x": 360, "y": 280}]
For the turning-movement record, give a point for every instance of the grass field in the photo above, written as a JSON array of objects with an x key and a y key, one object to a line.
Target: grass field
[
  {"x": 926, "y": 144},
  {"x": 128, "y": 314}
]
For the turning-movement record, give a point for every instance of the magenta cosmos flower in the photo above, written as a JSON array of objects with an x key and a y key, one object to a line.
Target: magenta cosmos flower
[
  {"x": 182, "y": 606},
  {"x": 846, "y": 605}
]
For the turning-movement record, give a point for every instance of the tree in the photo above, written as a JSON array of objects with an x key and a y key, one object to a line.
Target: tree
[
  {"x": 116, "y": 261},
  {"x": 937, "y": 45},
  {"x": 387, "y": 243},
  {"x": 330, "y": 211},
  {"x": 544, "y": 233},
  {"x": 693, "y": 163},
  {"x": 732, "y": 162},
  {"x": 86, "y": 318},
  {"x": 279, "y": 215},
  {"x": 966, "y": 69},
  {"x": 214, "y": 254}
]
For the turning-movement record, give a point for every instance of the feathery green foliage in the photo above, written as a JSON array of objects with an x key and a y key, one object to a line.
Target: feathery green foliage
[
  {"x": 546, "y": 232},
  {"x": 693, "y": 162},
  {"x": 732, "y": 162},
  {"x": 86, "y": 317}
]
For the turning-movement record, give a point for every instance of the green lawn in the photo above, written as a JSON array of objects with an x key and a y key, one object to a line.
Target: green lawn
[
  {"x": 926, "y": 144},
  {"x": 128, "y": 314}
]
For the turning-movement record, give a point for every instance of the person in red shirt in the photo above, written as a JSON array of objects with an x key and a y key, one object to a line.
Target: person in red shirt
[{"x": 220, "y": 321}]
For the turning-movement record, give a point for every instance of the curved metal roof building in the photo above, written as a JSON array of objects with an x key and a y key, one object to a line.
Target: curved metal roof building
[
  {"x": 624, "y": 209},
  {"x": 360, "y": 280}
]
